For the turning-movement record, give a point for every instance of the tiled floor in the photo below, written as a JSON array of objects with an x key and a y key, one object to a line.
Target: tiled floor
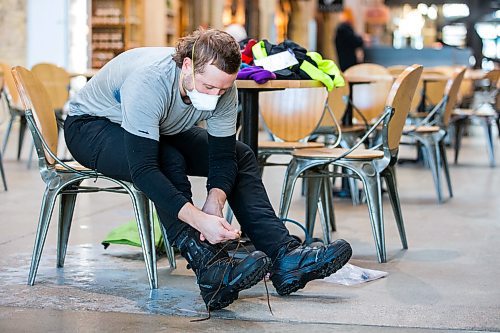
[{"x": 446, "y": 281}]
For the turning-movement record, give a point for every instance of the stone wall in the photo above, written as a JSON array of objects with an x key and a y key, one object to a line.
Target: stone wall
[{"x": 13, "y": 37}]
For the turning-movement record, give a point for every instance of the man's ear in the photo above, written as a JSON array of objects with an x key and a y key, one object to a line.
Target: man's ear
[{"x": 186, "y": 64}]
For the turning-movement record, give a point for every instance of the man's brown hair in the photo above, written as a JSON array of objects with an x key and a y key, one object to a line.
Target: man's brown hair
[{"x": 212, "y": 47}]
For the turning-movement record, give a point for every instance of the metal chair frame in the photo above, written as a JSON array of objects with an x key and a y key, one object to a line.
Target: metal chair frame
[
  {"x": 64, "y": 180},
  {"x": 369, "y": 171},
  {"x": 433, "y": 141}
]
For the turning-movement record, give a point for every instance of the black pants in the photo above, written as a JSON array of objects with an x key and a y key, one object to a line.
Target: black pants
[{"x": 97, "y": 143}]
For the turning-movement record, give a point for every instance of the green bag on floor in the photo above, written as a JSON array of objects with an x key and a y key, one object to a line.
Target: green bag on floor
[{"x": 128, "y": 234}]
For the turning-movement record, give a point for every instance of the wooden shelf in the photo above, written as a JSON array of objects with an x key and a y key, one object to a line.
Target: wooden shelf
[{"x": 116, "y": 26}]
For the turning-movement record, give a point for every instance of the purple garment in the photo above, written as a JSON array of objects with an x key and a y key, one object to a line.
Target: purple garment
[{"x": 258, "y": 74}]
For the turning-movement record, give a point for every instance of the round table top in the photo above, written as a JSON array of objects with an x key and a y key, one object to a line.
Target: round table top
[
  {"x": 365, "y": 78},
  {"x": 433, "y": 77}
]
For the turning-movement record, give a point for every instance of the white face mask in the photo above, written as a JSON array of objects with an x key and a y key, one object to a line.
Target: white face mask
[{"x": 201, "y": 101}]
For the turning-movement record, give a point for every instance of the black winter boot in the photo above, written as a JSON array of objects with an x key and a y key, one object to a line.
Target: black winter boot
[
  {"x": 295, "y": 265},
  {"x": 219, "y": 277}
]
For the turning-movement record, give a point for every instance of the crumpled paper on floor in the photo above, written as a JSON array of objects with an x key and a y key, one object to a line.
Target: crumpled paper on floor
[{"x": 351, "y": 275}]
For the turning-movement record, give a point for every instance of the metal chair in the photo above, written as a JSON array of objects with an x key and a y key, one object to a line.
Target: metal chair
[
  {"x": 290, "y": 116},
  {"x": 486, "y": 116},
  {"x": 367, "y": 165},
  {"x": 15, "y": 107},
  {"x": 369, "y": 98},
  {"x": 432, "y": 130},
  {"x": 56, "y": 81},
  {"x": 64, "y": 180}
]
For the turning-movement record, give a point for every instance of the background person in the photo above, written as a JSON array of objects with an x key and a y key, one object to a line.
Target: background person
[{"x": 347, "y": 42}]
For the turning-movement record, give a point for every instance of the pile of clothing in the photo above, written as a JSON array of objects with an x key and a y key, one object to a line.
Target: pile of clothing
[{"x": 309, "y": 65}]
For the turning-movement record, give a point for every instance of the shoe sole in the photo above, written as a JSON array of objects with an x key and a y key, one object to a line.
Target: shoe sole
[
  {"x": 229, "y": 294},
  {"x": 293, "y": 283}
]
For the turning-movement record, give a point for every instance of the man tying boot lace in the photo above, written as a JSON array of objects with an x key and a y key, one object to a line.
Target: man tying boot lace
[{"x": 135, "y": 121}]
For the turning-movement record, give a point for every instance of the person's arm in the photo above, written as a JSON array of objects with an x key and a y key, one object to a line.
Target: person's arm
[
  {"x": 347, "y": 37},
  {"x": 222, "y": 165},
  {"x": 222, "y": 170},
  {"x": 142, "y": 156},
  {"x": 144, "y": 97}
]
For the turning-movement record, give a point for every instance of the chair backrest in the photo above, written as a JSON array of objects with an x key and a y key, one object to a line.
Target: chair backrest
[
  {"x": 400, "y": 98},
  {"x": 56, "y": 80},
  {"x": 493, "y": 77},
  {"x": 417, "y": 98},
  {"x": 10, "y": 86},
  {"x": 370, "y": 98},
  {"x": 451, "y": 91},
  {"x": 337, "y": 101},
  {"x": 34, "y": 97},
  {"x": 434, "y": 91},
  {"x": 292, "y": 114}
]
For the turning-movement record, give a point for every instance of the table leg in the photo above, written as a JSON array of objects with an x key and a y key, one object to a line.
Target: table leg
[
  {"x": 347, "y": 118},
  {"x": 250, "y": 126},
  {"x": 421, "y": 107}
]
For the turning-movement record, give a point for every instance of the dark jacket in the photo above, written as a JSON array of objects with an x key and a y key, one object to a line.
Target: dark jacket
[{"x": 346, "y": 42}]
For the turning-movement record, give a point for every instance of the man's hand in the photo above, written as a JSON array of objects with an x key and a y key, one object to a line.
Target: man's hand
[{"x": 214, "y": 229}]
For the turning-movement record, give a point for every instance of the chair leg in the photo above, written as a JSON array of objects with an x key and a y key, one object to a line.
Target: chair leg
[
  {"x": 30, "y": 157},
  {"x": 353, "y": 187},
  {"x": 497, "y": 120},
  {"x": 66, "y": 209},
  {"x": 2, "y": 173},
  {"x": 446, "y": 169},
  {"x": 291, "y": 175},
  {"x": 329, "y": 208},
  {"x": 459, "y": 132},
  {"x": 7, "y": 133},
  {"x": 431, "y": 153},
  {"x": 168, "y": 248},
  {"x": 390, "y": 179},
  {"x": 22, "y": 130},
  {"x": 489, "y": 140},
  {"x": 48, "y": 201},
  {"x": 373, "y": 192},
  {"x": 229, "y": 214},
  {"x": 146, "y": 233},
  {"x": 312, "y": 198}
]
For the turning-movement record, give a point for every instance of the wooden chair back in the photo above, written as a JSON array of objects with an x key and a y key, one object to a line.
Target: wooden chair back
[
  {"x": 370, "y": 98},
  {"x": 292, "y": 114},
  {"x": 400, "y": 98},
  {"x": 337, "y": 101},
  {"x": 10, "y": 86},
  {"x": 35, "y": 97},
  {"x": 493, "y": 77},
  {"x": 451, "y": 91},
  {"x": 435, "y": 90},
  {"x": 56, "y": 80},
  {"x": 417, "y": 98}
]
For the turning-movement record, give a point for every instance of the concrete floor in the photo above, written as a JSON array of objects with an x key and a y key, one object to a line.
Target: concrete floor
[{"x": 447, "y": 281}]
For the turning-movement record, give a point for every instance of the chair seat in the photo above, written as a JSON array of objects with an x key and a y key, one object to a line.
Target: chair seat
[
  {"x": 275, "y": 145},
  {"x": 73, "y": 164},
  {"x": 321, "y": 153},
  {"x": 421, "y": 129},
  {"x": 471, "y": 112}
]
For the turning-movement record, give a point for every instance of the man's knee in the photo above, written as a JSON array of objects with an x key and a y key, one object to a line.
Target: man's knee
[{"x": 245, "y": 155}]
